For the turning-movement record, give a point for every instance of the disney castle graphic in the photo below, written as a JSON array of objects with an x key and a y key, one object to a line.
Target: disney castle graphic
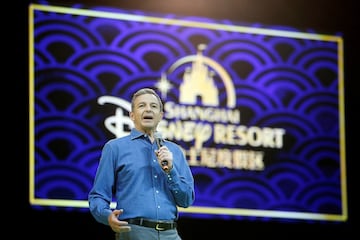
[{"x": 198, "y": 81}]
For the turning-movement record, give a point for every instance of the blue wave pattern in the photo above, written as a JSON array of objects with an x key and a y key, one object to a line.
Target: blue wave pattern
[{"x": 279, "y": 82}]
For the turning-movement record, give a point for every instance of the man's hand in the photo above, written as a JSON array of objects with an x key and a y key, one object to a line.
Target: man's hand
[
  {"x": 117, "y": 225},
  {"x": 165, "y": 158}
]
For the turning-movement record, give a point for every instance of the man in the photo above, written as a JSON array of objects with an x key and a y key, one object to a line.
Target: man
[{"x": 146, "y": 176}]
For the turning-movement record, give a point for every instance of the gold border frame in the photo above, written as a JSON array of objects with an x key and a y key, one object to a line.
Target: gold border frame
[{"x": 223, "y": 27}]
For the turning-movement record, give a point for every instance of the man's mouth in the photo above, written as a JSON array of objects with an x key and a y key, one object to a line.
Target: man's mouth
[{"x": 148, "y": 117}]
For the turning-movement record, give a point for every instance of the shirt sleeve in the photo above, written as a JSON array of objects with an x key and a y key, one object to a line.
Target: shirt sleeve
[
  {"x": 100, "y": 195},
  {"x": 180, "y": 179}
]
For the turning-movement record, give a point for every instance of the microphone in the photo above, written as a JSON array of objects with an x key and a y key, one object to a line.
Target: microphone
[{"x": 160, "y": 142}]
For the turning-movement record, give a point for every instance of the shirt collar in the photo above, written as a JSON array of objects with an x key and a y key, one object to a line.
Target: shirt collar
[{"x": 137, "y": 134}]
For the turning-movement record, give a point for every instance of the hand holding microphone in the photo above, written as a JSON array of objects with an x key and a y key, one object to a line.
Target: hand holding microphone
[{"x": 163, "y": 154}]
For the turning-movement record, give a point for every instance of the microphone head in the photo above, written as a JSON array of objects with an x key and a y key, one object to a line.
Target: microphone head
[
  {"x": 158, "y": 138},
  {"x": 157, "y": 135}
]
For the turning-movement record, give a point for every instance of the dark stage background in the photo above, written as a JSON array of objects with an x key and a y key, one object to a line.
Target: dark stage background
[{"x": 325, "y": 17}]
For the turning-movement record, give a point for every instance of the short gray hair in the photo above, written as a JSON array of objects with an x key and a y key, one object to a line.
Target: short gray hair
[{"x": 143, "y": 91}]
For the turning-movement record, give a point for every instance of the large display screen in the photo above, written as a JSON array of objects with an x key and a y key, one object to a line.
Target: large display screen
[{"x": 259, "y": 111}]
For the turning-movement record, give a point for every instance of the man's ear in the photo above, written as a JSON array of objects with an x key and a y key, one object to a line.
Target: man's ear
[{"x": 131, "y": 115}]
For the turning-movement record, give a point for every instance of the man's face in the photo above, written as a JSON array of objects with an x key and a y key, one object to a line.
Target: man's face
[{"x": 146, "y": 113}]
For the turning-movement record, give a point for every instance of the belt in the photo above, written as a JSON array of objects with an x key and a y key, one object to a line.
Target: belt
[{"x": 158, "y": 225}]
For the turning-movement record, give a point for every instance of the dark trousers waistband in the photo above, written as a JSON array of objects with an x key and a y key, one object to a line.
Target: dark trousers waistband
[{"x": 158, "y": 225}]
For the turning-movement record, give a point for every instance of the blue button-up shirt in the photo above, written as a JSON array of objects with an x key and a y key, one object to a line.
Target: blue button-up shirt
[{"x": 129, "y": 174}]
